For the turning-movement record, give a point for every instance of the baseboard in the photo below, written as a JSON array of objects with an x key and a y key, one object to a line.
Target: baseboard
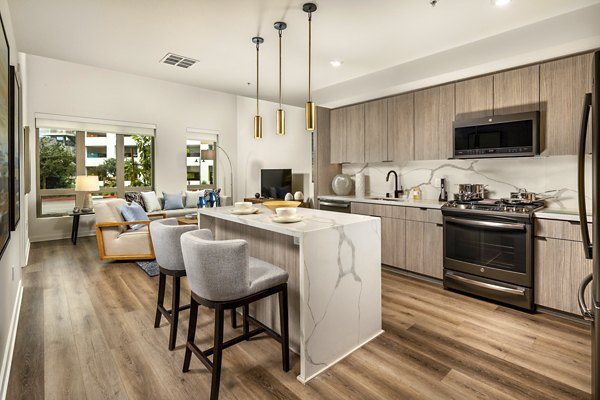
[
  {"x": 27, "y": 248},
  {"x": 10, "y": 343},
  {"x": 59, "y": 236}
]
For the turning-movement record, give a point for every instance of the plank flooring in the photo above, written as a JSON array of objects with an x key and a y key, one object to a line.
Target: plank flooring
[{"x": 86, "y": 332}]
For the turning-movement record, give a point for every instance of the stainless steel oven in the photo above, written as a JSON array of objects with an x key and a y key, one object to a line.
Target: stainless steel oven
[{"x": 490, "y": 254}]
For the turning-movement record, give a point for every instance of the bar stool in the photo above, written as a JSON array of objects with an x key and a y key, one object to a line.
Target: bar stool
[
  {"x": 223, "y": 277},
  {"x": 166, "y": 234}
]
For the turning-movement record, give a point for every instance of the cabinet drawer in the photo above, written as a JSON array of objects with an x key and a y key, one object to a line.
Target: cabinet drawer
[
  {"x": 378, "y": 210},
  {"x": 435, "y": 216},
  {"x": 416, "y": 214},
  {"x": 566, "y": 230},
  {"x": 362, "y": 208}
]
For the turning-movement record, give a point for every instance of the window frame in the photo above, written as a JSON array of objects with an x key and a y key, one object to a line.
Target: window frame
[
  {"x": 191, "y": 136},
  {"x": 80, "y": 156}
]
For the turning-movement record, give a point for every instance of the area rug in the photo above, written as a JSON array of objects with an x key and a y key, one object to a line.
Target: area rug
[{"x": 149, "y": 267}]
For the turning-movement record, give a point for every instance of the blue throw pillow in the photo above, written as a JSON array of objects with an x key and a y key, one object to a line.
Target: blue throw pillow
[
  {"x": 134, "y": 212},
  {"x": 173, "y": 201}
]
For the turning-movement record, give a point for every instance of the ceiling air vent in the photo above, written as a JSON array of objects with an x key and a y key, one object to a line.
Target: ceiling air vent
[{"x": 179, "y": 61}]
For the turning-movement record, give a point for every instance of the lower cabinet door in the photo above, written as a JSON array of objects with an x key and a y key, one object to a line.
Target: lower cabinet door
[
  {"x": 392, "y": 242},
  {"x": 560, "y": 266},
  {"x": 433, "y": 250},
  {"x": 414, "y": 246}
]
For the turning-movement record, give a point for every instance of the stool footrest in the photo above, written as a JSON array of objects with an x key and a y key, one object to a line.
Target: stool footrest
[
  {"x": 264, "y": 328},
  {"x": 168, "y": 314}
]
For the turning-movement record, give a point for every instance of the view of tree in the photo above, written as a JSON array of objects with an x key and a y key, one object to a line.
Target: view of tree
[
  {"x": 107, "y": 172},
  {"x": 57, "y": 164},
  {"x": 140, "y": 173}
]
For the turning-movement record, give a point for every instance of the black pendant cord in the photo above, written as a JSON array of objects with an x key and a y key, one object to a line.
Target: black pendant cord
[
  {"x": 309, "y": 54},
  {"x": 280, "y": 69},
  {"x": 257, "y": 77}
]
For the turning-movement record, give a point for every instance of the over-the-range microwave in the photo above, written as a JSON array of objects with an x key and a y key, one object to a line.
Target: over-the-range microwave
[{"x": 514, "y": 135}]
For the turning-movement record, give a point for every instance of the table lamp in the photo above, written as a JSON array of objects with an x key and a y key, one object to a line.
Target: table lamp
[{"x": 87, "y": 184}]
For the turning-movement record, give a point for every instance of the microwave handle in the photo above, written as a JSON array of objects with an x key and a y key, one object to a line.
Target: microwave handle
[{"x": 585, "y": 234}]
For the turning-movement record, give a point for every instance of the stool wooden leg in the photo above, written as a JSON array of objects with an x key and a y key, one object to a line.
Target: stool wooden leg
[
  {"x": 233, "y": 318},
  {"x": 218, "y": 352},
  {"x": 285, "y": 338},
  {"x": 246, "y": 325},
  {"x": 191, "y": 334},
  {"x": 174, "y": 312},
  {"x": 161, "y": 298}
]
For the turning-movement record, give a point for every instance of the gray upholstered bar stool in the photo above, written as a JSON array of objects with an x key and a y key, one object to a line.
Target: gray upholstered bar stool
[
  {"x": 166, "y": 234},
  {"x": 223, "y": 277}
]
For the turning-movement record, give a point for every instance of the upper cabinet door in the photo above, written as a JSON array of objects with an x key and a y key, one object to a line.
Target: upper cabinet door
[
  {"x": 401, "y": 127},
  {"x": 427, "y": 109},
  {"x": 434, "y": 113},
  {"x": 563, "y": 85},
  {"x": 517, "y": 91},
  {"x": 475, "y": 98},
  {"x": 355, "y": 134},
  {"x": 338, "y": 135},
  {"x": 376, "y": 131}
]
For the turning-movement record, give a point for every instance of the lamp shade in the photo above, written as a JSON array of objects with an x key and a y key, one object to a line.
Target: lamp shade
[{"x": 87, "y": 183}]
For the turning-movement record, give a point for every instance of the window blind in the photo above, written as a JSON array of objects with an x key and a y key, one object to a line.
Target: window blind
[{"x": 53, "y": 121}]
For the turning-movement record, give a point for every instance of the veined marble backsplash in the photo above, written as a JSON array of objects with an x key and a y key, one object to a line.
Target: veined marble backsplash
[{"x": 502, "y": 175}]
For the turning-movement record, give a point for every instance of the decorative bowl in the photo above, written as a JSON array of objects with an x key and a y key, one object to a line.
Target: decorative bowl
[{"x": 273, "y": 205}]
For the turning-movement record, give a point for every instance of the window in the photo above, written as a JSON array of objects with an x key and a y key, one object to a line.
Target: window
[
  {"x": 121, "y": 162},
  {"x": 200, "y": 164}
]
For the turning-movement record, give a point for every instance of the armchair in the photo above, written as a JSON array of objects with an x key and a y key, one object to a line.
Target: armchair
[{"x": 115, "y": 240}]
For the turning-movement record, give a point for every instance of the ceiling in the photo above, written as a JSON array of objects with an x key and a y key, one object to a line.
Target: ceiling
[{"x": 134, "y": 35}]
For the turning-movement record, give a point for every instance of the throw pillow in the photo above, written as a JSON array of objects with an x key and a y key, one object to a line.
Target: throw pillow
[
  {"x": 191, "y": 198},
  {"x": 134, "y": 212},
  {"x": 134, "y": 197},
  {"x": 173, "y": 201},
  {"x": 150, "y": 201}
]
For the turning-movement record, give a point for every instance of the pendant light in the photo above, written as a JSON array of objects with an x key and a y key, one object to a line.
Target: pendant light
[
  {"x": 257, "y": 40},
  {"x": 280, "y": 26},
  {"x": 310, "y": 106}
]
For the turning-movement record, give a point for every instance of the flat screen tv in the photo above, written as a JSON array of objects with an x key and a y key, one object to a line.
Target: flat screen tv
[{"x": 275, "y": 183}]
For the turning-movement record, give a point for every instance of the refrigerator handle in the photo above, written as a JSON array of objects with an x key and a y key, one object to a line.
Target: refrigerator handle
[
  {"x": 587, "y": 313},
  {"x": 585, "y": 233}
]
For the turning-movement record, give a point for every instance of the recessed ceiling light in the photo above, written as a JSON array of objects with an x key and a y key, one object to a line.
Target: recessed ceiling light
[
  {"x": 336, "y": 63},
  {"x": 500, "y": 3}
]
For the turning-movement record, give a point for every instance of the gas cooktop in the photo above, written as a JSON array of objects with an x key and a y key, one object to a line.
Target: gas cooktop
[{"x": 497, "y": 207}]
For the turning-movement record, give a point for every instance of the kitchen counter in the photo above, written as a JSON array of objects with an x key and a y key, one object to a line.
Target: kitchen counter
[
  {"x": 402, "y": 203},
  {"x": 334, "y": 285},
  {"x": 560, "y": 214}
]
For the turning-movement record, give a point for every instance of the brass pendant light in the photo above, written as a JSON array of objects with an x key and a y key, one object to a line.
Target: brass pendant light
[
  {"x": 310, "y": 106},
  {"x": 280, "y": 26},
  {"x": 257, "y": 40}
]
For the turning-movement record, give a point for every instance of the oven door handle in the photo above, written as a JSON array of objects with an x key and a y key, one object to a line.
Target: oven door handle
[
  {"x": 487, "y": 224},
  {"x": 498, "y": 288}
]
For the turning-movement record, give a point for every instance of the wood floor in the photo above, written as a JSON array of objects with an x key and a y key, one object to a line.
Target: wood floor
[{"x": 86, "y": 332}]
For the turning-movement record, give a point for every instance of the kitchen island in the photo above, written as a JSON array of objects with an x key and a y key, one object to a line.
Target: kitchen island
[{"x": 334, "y": 287}]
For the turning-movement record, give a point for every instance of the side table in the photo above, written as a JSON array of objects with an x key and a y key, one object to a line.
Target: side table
[{"x": 75, "y": 228}]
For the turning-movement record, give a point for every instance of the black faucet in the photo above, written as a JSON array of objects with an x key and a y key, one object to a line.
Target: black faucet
[{"x": 387, "y": 179}]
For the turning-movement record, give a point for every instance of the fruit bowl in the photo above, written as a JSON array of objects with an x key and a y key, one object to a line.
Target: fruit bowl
[{"x": 275, "y": 204}]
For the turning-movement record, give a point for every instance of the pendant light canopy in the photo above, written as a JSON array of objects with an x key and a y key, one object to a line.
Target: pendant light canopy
[
  {"x": 280, "y": 26},
  {"x": 257, "y": 40},
  {"x": 310, "y": 106}
]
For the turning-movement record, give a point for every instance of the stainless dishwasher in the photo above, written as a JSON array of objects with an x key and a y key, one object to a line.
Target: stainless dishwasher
[{"x": 342, "y": 206}]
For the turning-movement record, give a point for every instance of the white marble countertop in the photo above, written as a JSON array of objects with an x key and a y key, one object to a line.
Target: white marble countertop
[
  {"x": 313, "y": 220},
  {"x": 402, "y": 203},
  {"x": 560, "y": 214}
]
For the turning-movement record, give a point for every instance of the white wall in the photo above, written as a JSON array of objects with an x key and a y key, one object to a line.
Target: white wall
[
  {"x": 290, "y": 151},
  {"x": 58, "y": 87},
  {"x": 13, "y": 257}
]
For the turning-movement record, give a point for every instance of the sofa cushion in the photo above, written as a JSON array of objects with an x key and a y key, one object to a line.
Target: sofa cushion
[
  {"x": 191, "y": 198},
  {"x": 134, "y": 197},
  {"x": 151, "y": 202},
  {"x": 134, "y": 212},
  {"x": 173, "y": 201}
]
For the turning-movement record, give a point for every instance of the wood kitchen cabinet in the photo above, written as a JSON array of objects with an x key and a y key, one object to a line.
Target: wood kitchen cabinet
[
  {"x": 434, "y": 113},
  {"x": 401, "y": 127},
  {"x": 517, "y": 90},
  {"x": 337, "y": 135},
  {"x": 560, "y": 266},
  {"x": 376, "y": 131},
  {"x": 323, "y": 169},
  {"x": 563, "y": 85},
  {"x": 475, "y": 98},
  {"x": 424, "y": 242},
  {"x": 348, "y": 134}
]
